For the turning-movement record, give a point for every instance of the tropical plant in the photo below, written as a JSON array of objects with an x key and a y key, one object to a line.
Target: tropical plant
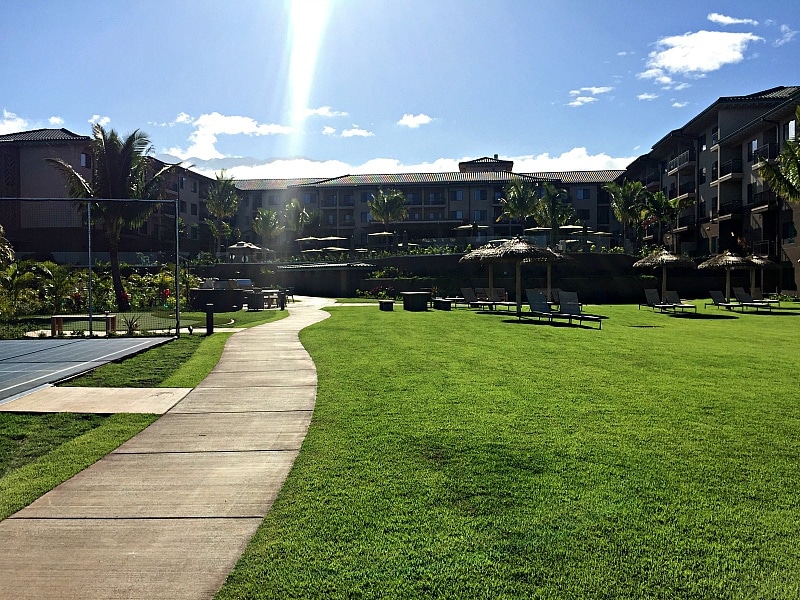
[
  {"x": 658, "y": 210},
  {"x": 221, "y": 204},
  {"x": 295, "y": 216},
  {"x": 58, "y": 283},
  {"x": 16, "y": 279},
  {"x": 626, "y": 201},
  {"x": 122, "y": 170},
  {"x": 266, "y": 224},
  {"x": 553, "y": 210},
  {"x": 519, "y": 202},
  {"x": 388, "y": 206},
  {"x": 6, "y": 250},
  {"x": 784, "y": 176}
]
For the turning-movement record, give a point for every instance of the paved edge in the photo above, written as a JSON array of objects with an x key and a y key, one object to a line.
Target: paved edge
[{"x": 169, "y": 513}]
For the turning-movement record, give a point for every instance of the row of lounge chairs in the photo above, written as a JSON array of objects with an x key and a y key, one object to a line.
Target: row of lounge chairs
[
  {"x": 569, "y": 308},
  {"x": 672, "y": 301}
]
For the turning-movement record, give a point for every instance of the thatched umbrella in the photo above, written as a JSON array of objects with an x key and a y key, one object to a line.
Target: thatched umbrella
[
  {"x": 727, "y": 260},
  {"x": 663, "y": 258},
  {"x": 477, "y": 256},
  {"x": 759, "y": 262},
  {"x": 516, "y": 249}
]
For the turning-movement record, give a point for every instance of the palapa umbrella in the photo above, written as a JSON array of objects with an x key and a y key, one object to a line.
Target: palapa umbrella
[
  {"x": 477, "y": 256},
  {"x": 516, "y": 249},
  {"x": 758, "y": 262},
  {"x": 663, "y": 258},
  {"x": 727, "y": 260}
]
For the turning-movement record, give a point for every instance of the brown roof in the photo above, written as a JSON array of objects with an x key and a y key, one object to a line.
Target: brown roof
[{"x": 43, "y": 135}]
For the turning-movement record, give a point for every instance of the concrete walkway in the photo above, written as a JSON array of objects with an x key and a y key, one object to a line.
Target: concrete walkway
[{"x": 168, "y": 514}]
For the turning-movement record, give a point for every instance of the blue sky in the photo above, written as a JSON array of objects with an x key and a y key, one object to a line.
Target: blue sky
[{"x": 323, "y": 88}]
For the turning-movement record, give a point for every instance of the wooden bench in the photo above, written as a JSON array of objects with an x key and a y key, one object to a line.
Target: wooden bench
[{"x": 57, "y": 322}]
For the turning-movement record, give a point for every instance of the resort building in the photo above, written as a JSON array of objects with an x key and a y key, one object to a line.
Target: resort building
[{"x": 712, "y": 165}]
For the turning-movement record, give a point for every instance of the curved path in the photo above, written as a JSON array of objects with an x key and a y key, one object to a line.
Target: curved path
[{"x": 168, "y": 513}]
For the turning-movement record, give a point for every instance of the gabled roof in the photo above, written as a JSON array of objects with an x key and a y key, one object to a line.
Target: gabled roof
[
  {"x": 43, "y": 135},
  {"x": 457, "y": 177},
  {"x": 251, "y": 185},
  {"x": 787, "y": 107},
  {"x": 606, "y": 176}
]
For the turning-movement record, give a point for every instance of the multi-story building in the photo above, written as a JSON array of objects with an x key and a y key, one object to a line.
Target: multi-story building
[
  {"x": 55, "y": 229},
  {"x": 712, "y": 165},
  {"x": 437, "y": 203}
]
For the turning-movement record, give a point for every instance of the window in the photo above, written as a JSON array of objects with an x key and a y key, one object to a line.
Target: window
[
  {"x": 193, "y": 208},
  {"x": 434, "y": 216},
  {"x": 272, "y": 200},
  {"x": 183, "y": 182},
  {"x": 603, "y": 214},
  {"x": 479, "y": 195},
  {"x": 456, "y": 214},
  {"x": 366, "y": 217},
  {"x": 310, "y": 198},
  {"x": 456, "y": 195},
  {"x": 498, "y": 193},
  {"x": 583, "y": 194},
  {"x": 183, "y": 206},
  {"x": 750, "y": 193},
  {"x": 702, "y": 142},
  {"x": 714, "y": 135},
  {"x": 790, "y": 130},
  {"x": 194, "y": 186},
  {"x": 584, "y": 214},
  {"x": 365, "y": 196},
  {"x": 246, "y": 201},
  {"x": 480, "y": 215},
  {"x": 702, "y": 174},
  {"x": 86, "y": 160},
  {"x": 194, "y": 232},
  {"x": 348, "y": 200},
  {"x": 413, "y": 198},
  {"x": 714, "y": 244},
  {"x": 751, "y": 149},
  {"x": 331, "y": 219}
]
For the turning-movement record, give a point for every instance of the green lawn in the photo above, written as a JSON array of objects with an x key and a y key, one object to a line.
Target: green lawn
[{"x": 464, "y": 455}]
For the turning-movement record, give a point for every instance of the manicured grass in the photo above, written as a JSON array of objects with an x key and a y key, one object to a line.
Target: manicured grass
[
  {"x": 464, "y": 455},
  {"x": 37, "y": 452},
  {"x": 239, "y": 318}
]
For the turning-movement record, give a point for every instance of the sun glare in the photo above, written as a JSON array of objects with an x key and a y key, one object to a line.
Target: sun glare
[{"x": 308, "y": 19}]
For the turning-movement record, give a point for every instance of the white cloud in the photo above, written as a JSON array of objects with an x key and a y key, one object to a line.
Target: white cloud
[
  {"x": 207, "y": 127},
  {"x": 679, "y": 104},
  {"x": 56, "y": 121},
  {"x": 647, "y": 96},
  {"x": 591, "y": 90},
  {"x": 322, "y": 111},
  {"x": 581, "y": 100},
  {"x": 786, "y": 36},
  {"x": 11, "y": 123},
  {"x": 414, "y": 121},
  {"x": 696, "y": 53},
  {"x": 681, "y": 86},
  {"x": 725, "y": 20},
  {"x": 327, "y": 130},
  {"x": 356, "y": 131},
  {"x": 102, "y": 121},
  {"x": 577, "y": 159},
  {"x": 622, "y": 53}
]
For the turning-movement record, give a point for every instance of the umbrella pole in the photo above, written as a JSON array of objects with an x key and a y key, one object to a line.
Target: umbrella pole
[
  {"x": 549, "y": 281},
  {"x": 519, "y": 288},
  {"x": 727, "y": 285},
  {"x": 752, "y": 279},
  {"x": 491, "y": 281},
  {"x": 663, "y": 282}
]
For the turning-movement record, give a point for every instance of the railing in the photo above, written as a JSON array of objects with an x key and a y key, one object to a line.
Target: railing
[
  {"x": 730, "y": 208},
  {"x": 686, "y": 221},
  {"x": 762, "y": 248},
  {"x": 766, "y": 152},
  {"x": 686, "y": 188},
  {"x": 681, "y": 160},
  {"x": 730, "y": 167},
  {"x": 766, "y": 198},
  {"x": 348, "y": 201},
  {"x": 652, "y": 179}
]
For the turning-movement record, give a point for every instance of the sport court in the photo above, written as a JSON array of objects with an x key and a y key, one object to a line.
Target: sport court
[{"x": 29, "y": 364}]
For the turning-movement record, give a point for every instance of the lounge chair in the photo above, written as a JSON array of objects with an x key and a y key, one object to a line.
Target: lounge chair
[
  {"x": 565, "y": 297},
  {"x": 674, "y": 299},
  {"x": 472, "y": 300},
  {"x": 718, "y": 300},
  {"x": 653, "y": 300},
  {"x": 539, "y": 307},
  {"x": 554, "y": 293},
  {"x": 759, "y": 297},
  {"x": 747, "y": 301},
  {"x": 573, "y": 310},
  {"x": 499, "y": 298}
]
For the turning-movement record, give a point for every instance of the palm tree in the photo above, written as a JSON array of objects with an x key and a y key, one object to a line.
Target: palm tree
[
  {"x": 6, "y": 250},
  {"x": 122, "y": 169},
  {"x": 519, "y": 202},
  {"x": 296, "y": 218},
  {"x": 221, "y": 204},
  {"x": 553, "y": 210},
  {"x": 388, "y": 206},
  {"x": 266, "y": 224},
  {"x": 658, "y": 209},
  {"x": 784, "y": 176},
  {"x": 626, "y": 202}
]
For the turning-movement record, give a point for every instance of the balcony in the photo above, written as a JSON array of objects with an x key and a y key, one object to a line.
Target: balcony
[
  {"x": 729, "y": 209},
  {"x": 684, "y": 192},
  {"x": 728, "y": 171},
  {"x": 685, "y": 222},
  {"x": 763, "y": 201},
  {"x": 686, "y": 160},
  {"x": 767, "y": 153},
  {"x": 652, "y": 181}
]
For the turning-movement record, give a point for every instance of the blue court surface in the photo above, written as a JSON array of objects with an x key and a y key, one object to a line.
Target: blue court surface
[{"x": 28, "y": 364}]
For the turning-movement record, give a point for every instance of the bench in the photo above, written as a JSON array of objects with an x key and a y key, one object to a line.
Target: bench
[
  {"x": 442, "y": 304},
  {"x": 386, "y": 305},
  {"x": 57, "y": 322}
]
